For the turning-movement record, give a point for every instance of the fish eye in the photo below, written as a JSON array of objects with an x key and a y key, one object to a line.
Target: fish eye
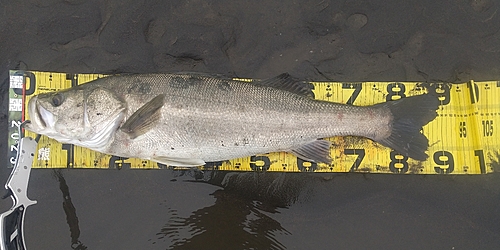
[{"x": 57, "y": 100}]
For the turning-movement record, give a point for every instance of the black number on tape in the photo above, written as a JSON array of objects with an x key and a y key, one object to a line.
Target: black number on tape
[
  {"x": 443, "y": 92},
  {"x": 73, "y": 78},
  {"x": 118, "y": 162},
  {"x": 213, "y": 165},
  {"x": 482, "y": 164},
  {"x": 357, "y": 89},
  {"x": 32, "y": 86},
  {"x": 395, "y": 89},
  {"x": 70, "y": 157},
  {"x": 462, "y": 130},
  {"x": 361, "y": 155},
  {"x": 443, "y": 159},
  {"x": 487, "y": 127},
  {"x": 474, "y": 92},
  {"x": 399, "y": 163},
  {"x": 260, "y": 163},
  {"x": 306, "y": 166}
]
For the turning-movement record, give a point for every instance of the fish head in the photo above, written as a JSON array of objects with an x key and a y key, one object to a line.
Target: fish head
[{"x": 81, "y": 116}]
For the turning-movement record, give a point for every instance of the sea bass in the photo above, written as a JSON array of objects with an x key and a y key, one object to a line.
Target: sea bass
[{"x": 188, "y": 119}]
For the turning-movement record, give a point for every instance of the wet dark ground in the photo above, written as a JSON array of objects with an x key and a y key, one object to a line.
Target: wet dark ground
[{"x": 426, "y": 40}]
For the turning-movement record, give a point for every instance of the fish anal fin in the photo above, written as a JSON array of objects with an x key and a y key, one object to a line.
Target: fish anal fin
[
  {"x": 316, "y": 151},
  {"x": 178, "y": 162},
  {"x": 145, "y": 118}
]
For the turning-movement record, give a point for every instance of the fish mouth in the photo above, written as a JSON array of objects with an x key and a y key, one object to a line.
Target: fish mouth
[{"x": 41, "y": 118}]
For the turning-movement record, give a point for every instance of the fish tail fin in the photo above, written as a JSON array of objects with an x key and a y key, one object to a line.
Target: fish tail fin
[{"x": 410, "y": 114}]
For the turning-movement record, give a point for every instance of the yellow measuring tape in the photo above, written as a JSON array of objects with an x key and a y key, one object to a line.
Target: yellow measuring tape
[{"x": 463, "y": 138}]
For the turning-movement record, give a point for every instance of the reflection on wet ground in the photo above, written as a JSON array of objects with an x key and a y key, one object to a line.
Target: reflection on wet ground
[
  {"x": 230, "y": 217},
  {"x": 240, "y": 213},
  {"x": 127, "y": 209},
  {"x": 240, "y": 216},
  {"x": 70, "y": 211}
]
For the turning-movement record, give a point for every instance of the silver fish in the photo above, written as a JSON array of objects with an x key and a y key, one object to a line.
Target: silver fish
[{"x": 188, "y": 119}]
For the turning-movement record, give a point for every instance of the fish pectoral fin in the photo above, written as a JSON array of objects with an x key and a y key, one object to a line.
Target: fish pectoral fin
[
  {"x": 288, "y": 83},
  {"x": 145, "y": 118},
  {"x": 316, "y": 151},
  {"x": 178, "y": 162}
]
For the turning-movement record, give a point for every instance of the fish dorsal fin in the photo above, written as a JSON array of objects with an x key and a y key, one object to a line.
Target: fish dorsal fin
[
  {"x": 284, "y": 82},
  {"x": 288, "y": 83},
  {"x": 202, "y": 75},
  {"x": 316, "y": 151},
  {"x": 145, "y": 118}
]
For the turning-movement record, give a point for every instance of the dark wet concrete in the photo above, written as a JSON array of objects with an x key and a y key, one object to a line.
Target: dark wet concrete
[{"x": 321, "y": 40}]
